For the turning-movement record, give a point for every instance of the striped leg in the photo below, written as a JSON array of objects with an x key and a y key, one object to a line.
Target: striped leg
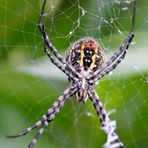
[
  {"x": 38, "y": 134},
  {"x": 45, "y": 36},
  {"x": 51, "y": 113},
  {"x": 49, "y": 116},
  {"x": 51, "y": 47},
  {"x": 108, "y": 126},
  {"x": 61, "y": 67},
  {"x": 26, "y": 131},
  {"x": 112, "y": 62},
  {"x": 118, "y": 56}
]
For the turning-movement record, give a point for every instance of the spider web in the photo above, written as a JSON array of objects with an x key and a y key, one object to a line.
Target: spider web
[{"x": 30, "y": 83}]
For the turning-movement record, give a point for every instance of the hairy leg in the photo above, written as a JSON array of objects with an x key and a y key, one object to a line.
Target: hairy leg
[
  {"x": 49, "y": 116},
  {"x": 107, "y": 125},
  {"x": 52, "y": 48},
  {"x": 116, "y": 58},
  {"x": 113, "y": 62}
]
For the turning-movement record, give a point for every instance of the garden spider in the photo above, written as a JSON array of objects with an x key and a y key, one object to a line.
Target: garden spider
[{"x": 84, "y": 66}]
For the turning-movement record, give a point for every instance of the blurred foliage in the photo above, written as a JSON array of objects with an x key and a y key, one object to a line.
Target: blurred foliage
[{"x": 24, "y": 98}]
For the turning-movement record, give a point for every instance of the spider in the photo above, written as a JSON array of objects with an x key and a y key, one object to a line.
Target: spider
[{"x": 85, "y": 66}]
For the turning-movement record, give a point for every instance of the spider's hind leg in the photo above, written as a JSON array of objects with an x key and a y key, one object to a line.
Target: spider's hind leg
[
  {"x": 26, "y": 131},
  {"x": 33, "y": 142},
  {"x": 53, "y": 111},
  {"x": 49, "y": 116},
  {"x": 108, "y": 126}
]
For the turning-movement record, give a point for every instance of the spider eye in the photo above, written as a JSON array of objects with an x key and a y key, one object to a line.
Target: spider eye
[
  {"x": 87, "y": 61},
  {"x": 89, "y": 52}
]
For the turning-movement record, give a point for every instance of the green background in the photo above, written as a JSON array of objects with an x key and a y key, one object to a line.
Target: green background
[{"x": 25, "y": 96}]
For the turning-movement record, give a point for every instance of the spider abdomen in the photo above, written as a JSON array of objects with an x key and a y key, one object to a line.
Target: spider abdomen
[{"x": 85, "y": 55}]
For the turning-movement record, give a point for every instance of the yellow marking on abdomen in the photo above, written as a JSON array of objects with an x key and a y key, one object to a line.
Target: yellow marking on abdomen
[
  {"x": 94, "y": 59},
  {"x": 82, "y": 56}
]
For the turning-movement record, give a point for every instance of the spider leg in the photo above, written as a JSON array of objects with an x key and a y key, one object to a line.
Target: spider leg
[
  {"x": 29, "y": 129},
  {"x": 46, "y": 38},
  {"x": 134, "y": 14},
  {"x": 113, "y": 62},
  {"x": 26, "y": 131},
  {"x": 61, "y": 67},
  {"x": 49, "y": 116},
  {"x": 107, "y": 125},
  {"x": 117, "y": 56},
  {"x": 51, "y": 47},
  {"x": 38, "y": 135}
]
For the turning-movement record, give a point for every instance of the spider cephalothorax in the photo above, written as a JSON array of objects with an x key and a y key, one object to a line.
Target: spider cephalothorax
[
  {"x": 86, "y": 56},
  {"x": 84, "y": 66}
]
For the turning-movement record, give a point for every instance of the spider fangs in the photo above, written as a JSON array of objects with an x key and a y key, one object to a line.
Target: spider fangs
[{"x": 86, "y": 56}]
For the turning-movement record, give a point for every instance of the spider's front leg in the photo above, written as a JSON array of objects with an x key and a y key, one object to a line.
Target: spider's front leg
[
  {"x": 49, "y": 116},
  {"x": 107, "y": 125},
  {"x": 117, "y": 57},
  {"x": 64, "y": 65},
  {"x": 60, "y": 66},
  {"x": 113, "y": 62}
]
